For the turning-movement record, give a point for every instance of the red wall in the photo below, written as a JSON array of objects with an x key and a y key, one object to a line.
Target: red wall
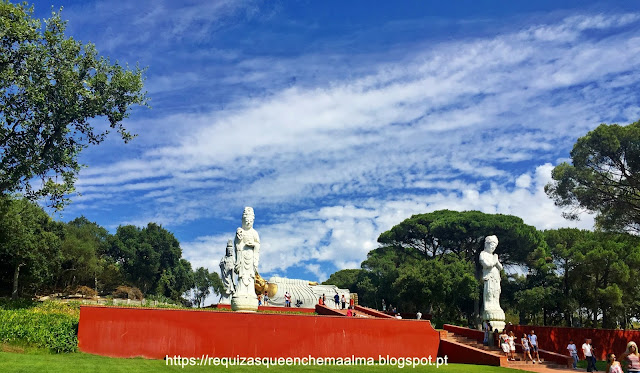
[
  {"x": 154, "y": 333},
  {"x": 463, "y": 354},
  {"x": 556, "y": 339},
  {"x": 272, "y": 308},
  {"x": 372, "y": 312}
]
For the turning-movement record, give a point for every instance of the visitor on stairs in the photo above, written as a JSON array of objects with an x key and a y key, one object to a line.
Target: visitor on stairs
[
  {"x": 504, "y": 343},
  {"x": 526, "y": 350},
  {"x": 533, "y": 339},
  {"x": 512, "y": 346}
]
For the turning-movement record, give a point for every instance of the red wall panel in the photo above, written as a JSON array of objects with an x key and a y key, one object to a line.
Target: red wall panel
[
  {"x": 153, "y": 333},
  {"x": 463, "y": 354}
]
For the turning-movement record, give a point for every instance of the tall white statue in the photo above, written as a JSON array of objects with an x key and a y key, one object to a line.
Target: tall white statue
[
  {"x": 491, "y": 268},
  {"x": 227, "y": 265},
  {"x": 247, "y": 249}
]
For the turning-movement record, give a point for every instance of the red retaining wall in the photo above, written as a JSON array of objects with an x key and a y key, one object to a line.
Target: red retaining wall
[
  {"x": 478, "y": 335},
  {"x": 556, "y": 339},
  {"x": 372, "y": 312},
  {"x": 463, "y": 354},
  {"x": 272, "y": 308},
  {"x": 154, "y": 333}
]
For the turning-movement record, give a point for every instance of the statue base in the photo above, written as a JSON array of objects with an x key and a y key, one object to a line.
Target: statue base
[
  {"x": 244, "y": 303},
  {"x": 495, "y": 317}
]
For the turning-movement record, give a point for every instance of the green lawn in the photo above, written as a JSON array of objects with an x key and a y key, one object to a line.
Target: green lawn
[{"x": 39, "y": 361}]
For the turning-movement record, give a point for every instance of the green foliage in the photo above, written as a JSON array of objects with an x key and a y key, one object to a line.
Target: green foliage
[
  {"x": 344, "y": 279},
  {"x": 587, "y": 281},
  {"x": 84, "y": 256},
  {"x": 445, "y": 287},
  {"x": 450, "y": 237},
  {"x": 150, "y": 258},
  {"x": 51, "y": 88},
  {"x": 49, "y": 325},
  {"x": 204, "y": 282},
  {"x": 603, "y": 177},
  {"x": 29, "y": 246}
]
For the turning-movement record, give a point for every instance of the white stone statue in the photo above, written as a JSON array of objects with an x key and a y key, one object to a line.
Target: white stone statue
[
  {"x": 491, "y": 268},
  {"x": 227, "y": 265},
  {"x": 247, "y": 249},
  {"x": 305, "y": 294}
]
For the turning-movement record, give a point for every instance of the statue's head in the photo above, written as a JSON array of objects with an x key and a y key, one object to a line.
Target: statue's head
[
  {"x": 230, "y": 248},
  {"x": 490, "y": 243},
  {"x": 247, "y": 218}
]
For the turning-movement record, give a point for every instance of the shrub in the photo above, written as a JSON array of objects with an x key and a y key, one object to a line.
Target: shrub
[
  {"x": 128, "y": 292},
  {"x": 86, "y": 291},
  {"x": 50, "y": 325}
]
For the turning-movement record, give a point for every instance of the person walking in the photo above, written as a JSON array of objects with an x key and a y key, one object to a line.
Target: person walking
[
  {"x": 533, "y": 339},
  {"x": 526, "y": 348},
  {"x": 573, "y": 351},
  {"x": 631, "y": 358},
  {"x": 512, "y": 346},
  {"x": 336, "y": 300},
  {"x": 344, "y": 302},
  {"x": 504, "y": 344},
  {"x": 588, "y": 351}
]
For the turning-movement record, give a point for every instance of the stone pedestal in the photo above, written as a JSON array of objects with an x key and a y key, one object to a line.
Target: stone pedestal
[
  {"x": 244, "y": 303},
  {"x": 495, "y": 318}
]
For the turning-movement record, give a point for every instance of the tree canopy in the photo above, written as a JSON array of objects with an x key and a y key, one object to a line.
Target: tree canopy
[
  {"x": 603, "y": 177},
  {"x": 51, "y": 89}
]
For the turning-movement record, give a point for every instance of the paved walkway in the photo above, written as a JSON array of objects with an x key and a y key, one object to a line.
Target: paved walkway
[{"x": 541, "y": 368}]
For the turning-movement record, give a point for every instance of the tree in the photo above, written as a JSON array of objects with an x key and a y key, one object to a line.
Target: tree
[
  {"x": 344, "y": 279},
  {"x": 462, "y": 234},
  {"x": 151, "y": 259},
  {"x": 83, "y": 250},
  {"x": 204, "y": 283},
  {"x": 29, "y": 244},
  {"x": 603, "y": 178},
  {"x": 51, "y": 89},
  {"x": 445, "y": 287}
]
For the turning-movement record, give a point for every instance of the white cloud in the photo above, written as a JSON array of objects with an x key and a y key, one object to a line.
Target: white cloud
[{"x": 462, "y": 125}]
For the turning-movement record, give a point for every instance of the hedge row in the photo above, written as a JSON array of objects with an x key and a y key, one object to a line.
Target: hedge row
[{"x": 55, "y": 331}]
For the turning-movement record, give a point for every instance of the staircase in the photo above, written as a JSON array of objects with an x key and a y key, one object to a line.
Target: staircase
[{"x": 545, "y": 366}]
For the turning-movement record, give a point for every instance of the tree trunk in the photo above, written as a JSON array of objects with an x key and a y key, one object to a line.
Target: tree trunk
[
  {"x": 477, "y": 309},
  {"x": 16, "y": 274}
]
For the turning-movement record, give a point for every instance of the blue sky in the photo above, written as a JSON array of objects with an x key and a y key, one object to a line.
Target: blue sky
[{"x": 337, "y": 120}]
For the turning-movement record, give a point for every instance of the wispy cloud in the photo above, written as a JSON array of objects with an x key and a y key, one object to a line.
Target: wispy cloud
[{"x": 472, "y": 124}]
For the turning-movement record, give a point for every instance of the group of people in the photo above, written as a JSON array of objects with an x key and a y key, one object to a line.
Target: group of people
[
  {"x": 263, "y": 300},
  {"x": 337, "y": 300},
  {"x": 630, "y": 357},
  {"x": 529, "y": 345}
]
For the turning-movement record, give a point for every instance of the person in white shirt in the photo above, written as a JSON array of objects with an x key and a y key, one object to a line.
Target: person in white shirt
[
  {"x": 573, "y": 351},
  {"x": 588, "y": 352},
  {"x": 418, "y": 315}
]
